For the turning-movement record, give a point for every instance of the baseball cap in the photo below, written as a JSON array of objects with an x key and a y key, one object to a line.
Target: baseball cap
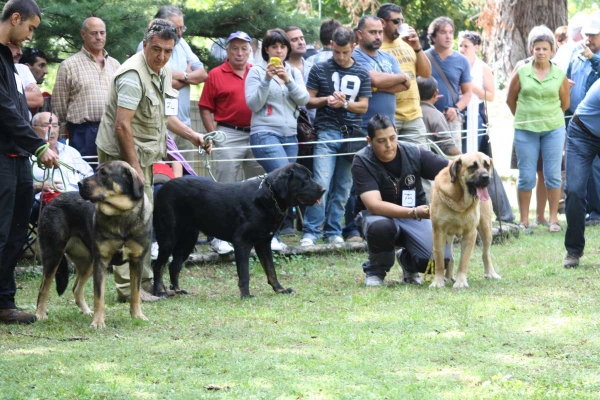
[
  {"x": 239, "y": 35},
  {"x": 593, "y": 26},
  {"x": 577, "y": 23}
]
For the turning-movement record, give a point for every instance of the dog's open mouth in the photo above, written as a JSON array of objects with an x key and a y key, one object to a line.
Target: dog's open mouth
[
  {"x": 305, "y": 201},
  {"x": 482, "y": 193}
]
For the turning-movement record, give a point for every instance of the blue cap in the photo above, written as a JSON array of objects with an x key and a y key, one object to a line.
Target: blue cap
[{"x": 239, "y": 35}]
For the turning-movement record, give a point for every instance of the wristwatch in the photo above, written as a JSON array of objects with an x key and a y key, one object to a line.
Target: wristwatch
[
  {"x": 345, "y": 104},
  {"x": 185, "y": 76}
]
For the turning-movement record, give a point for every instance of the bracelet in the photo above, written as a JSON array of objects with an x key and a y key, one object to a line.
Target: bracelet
[
  {"x": 417, "y": 51},
  {"x": 415, "y": 215}
]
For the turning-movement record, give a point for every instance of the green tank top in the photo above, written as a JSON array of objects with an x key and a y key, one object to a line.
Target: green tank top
[{"x": 539, "y": 100}]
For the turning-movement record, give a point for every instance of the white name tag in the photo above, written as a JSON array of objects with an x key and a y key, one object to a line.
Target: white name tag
[
  {"x": 19, "y": 83},
  {"x": 171, "y": 106},
  {"x": 409, "y": 198}
]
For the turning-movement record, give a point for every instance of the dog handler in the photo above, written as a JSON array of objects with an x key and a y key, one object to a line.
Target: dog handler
[
  {"x": 141, "y": 105},
  {"x": 391, "y": 205},
  {"x": 17, "y": 141}
]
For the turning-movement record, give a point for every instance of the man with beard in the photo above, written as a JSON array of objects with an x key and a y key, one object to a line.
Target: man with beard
[{"x": 386, "y": 81}]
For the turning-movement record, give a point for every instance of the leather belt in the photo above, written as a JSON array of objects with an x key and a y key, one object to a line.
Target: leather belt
[
  {"x": 580, "y": 124},
  {"x": 237, "y": 128}
]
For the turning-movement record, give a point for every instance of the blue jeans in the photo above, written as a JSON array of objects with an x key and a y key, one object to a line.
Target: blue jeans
[
  {"x": 350, "y": 229},
  {"x": 582, "y": 149},
  {"x": 333, "y": 173},
  {"x": 593, "y": 198},
  {"x": 286, "y": 154},
  {"x": 528, "y": 145}
]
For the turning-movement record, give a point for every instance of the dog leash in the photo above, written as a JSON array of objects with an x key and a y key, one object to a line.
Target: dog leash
[{"x": 211, "y": 137}]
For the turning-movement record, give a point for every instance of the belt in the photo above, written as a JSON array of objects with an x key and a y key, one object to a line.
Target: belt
[
  {"x": 582, "y": 126},
  {"x": 237, "y": 128}
]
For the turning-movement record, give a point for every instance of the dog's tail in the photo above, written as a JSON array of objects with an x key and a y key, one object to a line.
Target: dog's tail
[{"x": 62, "y": 276}]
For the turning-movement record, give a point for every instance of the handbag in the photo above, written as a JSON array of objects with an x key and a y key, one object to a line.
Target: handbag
[
  {"x": 305, "y": 132},
  {"x": 348, "y": 132}
]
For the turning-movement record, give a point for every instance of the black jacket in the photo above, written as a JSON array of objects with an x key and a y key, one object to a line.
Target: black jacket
[{"x": 16, "y": 135}]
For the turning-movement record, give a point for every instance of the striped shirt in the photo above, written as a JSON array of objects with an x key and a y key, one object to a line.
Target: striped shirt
[{"x": 81, "y": 87}]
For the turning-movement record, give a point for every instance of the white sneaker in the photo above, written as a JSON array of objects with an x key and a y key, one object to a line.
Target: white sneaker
[
  {"x": 336, "y": 239},
  {"x": 154, "y": 251},
  {"x": 307, "y": 242},
  {"x": 277, "y": 245},
  {"x": 373, "y": 280},
  {"x": 221, "y": 247}
]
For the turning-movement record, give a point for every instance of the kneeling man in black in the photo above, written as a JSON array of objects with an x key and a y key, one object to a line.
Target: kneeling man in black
[{"x": 391, "y": 208}]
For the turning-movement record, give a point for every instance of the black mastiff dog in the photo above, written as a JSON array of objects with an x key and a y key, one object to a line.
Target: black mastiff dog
[
  {"x": 112, "y": 227},
  {"x": 247, "y": 214}
]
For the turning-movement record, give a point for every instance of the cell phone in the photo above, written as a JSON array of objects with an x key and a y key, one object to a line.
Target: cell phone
[{"x": 275, "y": 60}]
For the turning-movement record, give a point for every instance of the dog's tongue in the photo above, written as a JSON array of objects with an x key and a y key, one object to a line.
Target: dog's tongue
[{"x": 483, "y": 194}]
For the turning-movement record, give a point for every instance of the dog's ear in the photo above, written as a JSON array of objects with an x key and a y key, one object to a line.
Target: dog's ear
[
  {"x": 137, "y": 186},
  {"x": 455, "y": 169}
]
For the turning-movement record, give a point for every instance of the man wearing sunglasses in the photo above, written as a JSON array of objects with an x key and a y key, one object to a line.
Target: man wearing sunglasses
[
  {"x": 141, "y": 106},
  {"x": 186, "y": 69},
  {"x": 81, "y": 88},
  {"x": 407, "y": 51}
]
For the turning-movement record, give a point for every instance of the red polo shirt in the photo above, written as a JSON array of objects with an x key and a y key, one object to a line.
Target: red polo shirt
[{"x": 224, "y": 96}]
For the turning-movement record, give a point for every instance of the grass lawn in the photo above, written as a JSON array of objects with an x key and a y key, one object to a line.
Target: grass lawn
[{"x": 531, "y": 335}]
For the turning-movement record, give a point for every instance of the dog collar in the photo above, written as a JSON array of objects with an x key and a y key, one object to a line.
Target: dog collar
[{"x": 264, "y": 180}]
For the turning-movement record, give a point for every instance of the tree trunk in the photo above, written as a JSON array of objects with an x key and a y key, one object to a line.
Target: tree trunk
[{"x": 506, "y": 25}]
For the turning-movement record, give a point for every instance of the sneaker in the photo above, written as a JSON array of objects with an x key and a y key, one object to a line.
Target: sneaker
[
  {"x": 277, "y": 245},
  {"x": 154, "y": 251},
  {"x": 335, "y": 239},
  {"x": 373, "y": 280},
  {"x": 221, "y": 247},
  {"x": 354, "y": 239},
  {"x": 408, "y": 277},
  {"x": 289, "y": 231},
  {"x": 14, "y": 316},
  {"x": 307, "y": 242},
  {"x": 571, "y": 261}
]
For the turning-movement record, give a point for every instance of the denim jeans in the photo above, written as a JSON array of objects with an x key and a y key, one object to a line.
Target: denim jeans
[
  {"x": 286, "y": 154},
  {"x": 593, "y": 196},
  {"x": 528, "y": 145},
  {"x": 350, "y": 229},
  {"x": 333, "y": 173},
  {"x": 582, "y": 149}
]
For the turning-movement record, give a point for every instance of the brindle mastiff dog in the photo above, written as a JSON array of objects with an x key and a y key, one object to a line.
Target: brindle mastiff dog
[
  {"x": 461, "y": 206},
  {"x": 113, "y": 226}
]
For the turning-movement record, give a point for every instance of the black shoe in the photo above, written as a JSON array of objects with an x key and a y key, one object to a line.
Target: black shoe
[
  {"x": 14, "y": 316},
  {"x": 289, "y": 231}
]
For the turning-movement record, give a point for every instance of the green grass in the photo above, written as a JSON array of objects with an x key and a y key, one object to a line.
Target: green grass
[{"x": 531, "y": 335}]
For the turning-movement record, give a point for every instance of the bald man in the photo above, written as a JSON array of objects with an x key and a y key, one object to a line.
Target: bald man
[{"x": 81, "y": 88}]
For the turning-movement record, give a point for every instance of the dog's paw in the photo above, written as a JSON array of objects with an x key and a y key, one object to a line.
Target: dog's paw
[
  {"x": 287, "y": 291},
  {"x": 87, "y": 312},
  {"x": 246, "y": 296},
  {"x": 461, "y": 284},
  {"x": 438, "y": 283},
  {"x": 492, "y": 275},
  {"x": 181, "y": 291},
  {"x": 41, "y": 315},
  {"x": 98, "y": 324}
]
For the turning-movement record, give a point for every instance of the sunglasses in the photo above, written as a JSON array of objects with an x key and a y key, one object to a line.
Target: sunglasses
[
  {"x": 159, "y": 28},
  {"x": 396, "y": 21}
]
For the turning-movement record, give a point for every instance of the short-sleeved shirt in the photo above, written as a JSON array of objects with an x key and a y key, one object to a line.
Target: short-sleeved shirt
[
  {"x": 224, "y": 96},
  {"x": 457, "y": 70},
  {"x": 129, "y": 89},
  {"x": 380, "y": 102},
  {"x": 182, "y": 55},
  {"x": 354, "y": 82},
  {"x": 431, "y": 165},
  {"x": 407, "y": 101}
]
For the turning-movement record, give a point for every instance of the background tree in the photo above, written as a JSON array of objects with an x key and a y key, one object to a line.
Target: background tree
[{"x": 506, "y": 25}]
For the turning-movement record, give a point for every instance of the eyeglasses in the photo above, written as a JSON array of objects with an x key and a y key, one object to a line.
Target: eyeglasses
[
  {"x": 183, "y": 28},
  {"x": 159, "y": 28},
  {"x": 45, "y": 125},
  {"x": 396, "y": 21}
]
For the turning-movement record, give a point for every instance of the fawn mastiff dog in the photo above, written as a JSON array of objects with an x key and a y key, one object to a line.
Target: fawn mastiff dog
[
  {"x": 246, "y": 213},
  {"x": 461, "y": 206},
  {"x": 107, "y": 222}
]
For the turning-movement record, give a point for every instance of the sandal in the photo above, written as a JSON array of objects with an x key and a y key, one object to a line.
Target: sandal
[
  {"x": 525, "y": 229},
  {"x": 538, "y": 223},
  {"x": 555, "y": 227}
]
